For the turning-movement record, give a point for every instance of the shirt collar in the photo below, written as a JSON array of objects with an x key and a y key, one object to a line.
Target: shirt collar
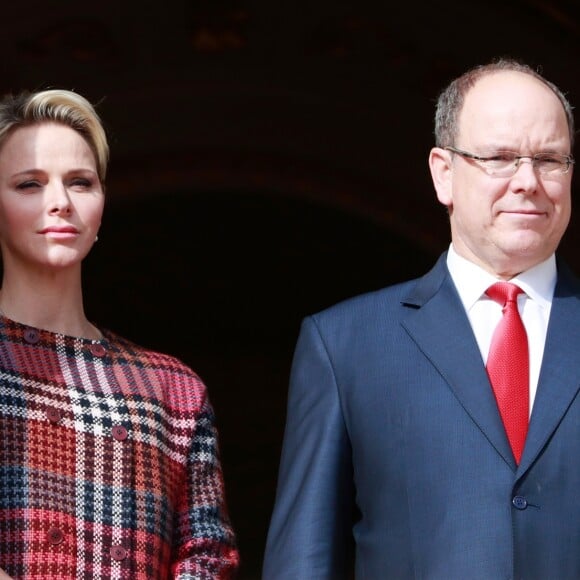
[{"x": 472, "y": 281}]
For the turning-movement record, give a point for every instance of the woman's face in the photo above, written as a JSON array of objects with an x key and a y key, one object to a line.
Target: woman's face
[{"x": 51, "y": 199}]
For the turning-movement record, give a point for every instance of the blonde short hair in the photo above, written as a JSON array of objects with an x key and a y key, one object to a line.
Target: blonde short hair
[{"x": 58, "y": 106}]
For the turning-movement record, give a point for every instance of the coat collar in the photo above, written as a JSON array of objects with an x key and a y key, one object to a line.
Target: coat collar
[
  {"x": 559, "y": 380},
  {"x": 436, "y": 321}
]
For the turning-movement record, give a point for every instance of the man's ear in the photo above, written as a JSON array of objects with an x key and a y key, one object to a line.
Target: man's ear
[{"x": 440, "y": 164}]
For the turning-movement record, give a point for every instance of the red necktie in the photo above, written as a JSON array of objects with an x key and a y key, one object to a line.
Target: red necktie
[{"x": 508, "y": 366}]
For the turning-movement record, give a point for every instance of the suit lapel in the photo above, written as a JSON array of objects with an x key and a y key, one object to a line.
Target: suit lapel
[
  {"x": 560, "y": 375},
  {"x": 437, "y": 322}
]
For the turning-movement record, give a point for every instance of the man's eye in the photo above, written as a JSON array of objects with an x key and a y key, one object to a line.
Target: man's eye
[
  {"x": 547, "y": 158},
  {"x": 502, "y": 157}
]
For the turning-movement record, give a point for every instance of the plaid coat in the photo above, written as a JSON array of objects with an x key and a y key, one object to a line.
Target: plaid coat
[{"x": 109, "y": 462}]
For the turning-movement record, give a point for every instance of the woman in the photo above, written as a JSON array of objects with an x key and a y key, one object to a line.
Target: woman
[{"x": 109, "y": 463}]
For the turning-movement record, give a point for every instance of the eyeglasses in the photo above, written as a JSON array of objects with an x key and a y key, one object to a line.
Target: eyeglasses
[{"x": 506, "y": 163}]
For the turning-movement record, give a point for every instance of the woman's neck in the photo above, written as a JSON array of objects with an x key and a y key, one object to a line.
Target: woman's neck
[{"x": 53, "y": 303}]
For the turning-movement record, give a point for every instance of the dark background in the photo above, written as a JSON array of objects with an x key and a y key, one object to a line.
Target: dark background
[{"x": 268, "y": 160}]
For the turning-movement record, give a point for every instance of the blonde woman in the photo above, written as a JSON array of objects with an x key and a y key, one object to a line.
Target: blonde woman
[{"x": 109, "y": 463}]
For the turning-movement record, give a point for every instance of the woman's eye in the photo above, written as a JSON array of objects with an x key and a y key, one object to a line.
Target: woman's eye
[
  {"x": 81, "y": 183},
  {"x": 27, "y": 185}
]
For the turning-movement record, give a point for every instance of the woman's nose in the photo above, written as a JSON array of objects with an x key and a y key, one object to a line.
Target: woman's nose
[{"x": 59, "y": 201}]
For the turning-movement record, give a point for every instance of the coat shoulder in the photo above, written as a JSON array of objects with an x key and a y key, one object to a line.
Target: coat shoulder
[{"x": 386, "y": 302}]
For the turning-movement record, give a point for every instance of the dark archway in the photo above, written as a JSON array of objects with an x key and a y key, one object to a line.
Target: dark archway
[{"x": 222, "y": 280}]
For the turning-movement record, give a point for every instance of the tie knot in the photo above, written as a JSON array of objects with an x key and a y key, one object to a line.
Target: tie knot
[{"x": 503, "y": 292}]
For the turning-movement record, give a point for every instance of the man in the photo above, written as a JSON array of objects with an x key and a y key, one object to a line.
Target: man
[{"x": 398, "y": 436}]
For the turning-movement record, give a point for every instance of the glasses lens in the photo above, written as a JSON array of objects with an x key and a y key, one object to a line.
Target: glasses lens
[
  {"x": 547, "y": 163},
  {"x": 501, "y": 163}
]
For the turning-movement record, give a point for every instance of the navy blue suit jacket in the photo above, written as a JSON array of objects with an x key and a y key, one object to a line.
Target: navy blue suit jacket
[{"x": 393, "y": 437}]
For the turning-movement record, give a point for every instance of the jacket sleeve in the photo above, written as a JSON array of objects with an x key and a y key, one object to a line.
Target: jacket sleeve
[
  {"x": 311, "y": 526},
  {"x": 207, "y": 548}
]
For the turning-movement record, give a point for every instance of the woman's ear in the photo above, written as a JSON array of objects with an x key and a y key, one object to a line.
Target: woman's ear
[{"x": 441, "y": 167}]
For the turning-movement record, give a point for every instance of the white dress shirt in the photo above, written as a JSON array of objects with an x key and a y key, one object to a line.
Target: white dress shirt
[{"x": 538, "y": 284}]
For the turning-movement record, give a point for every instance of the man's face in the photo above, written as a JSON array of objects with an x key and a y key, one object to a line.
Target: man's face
[{"x": 507, "y": 224}]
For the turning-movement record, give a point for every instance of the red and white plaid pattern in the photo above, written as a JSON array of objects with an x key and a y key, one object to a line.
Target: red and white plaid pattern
[{"x": 109, "y": 463}]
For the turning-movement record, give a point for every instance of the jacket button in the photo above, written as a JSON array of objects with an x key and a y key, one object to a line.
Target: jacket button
[
  {"x": 519, "y": 502},
  {"x": 31, "y": 336},
  {"x": 97, "y": 349},
  {"x": 55, "y": 536},
  {"x": 53, "y": 415},
  {"x": 119, "y": 433},
  {"x": 118, "y": 553}
]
